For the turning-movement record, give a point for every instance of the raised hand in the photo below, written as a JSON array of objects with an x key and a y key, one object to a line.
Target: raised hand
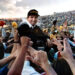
[
  {"x": 25, "y": 41},
  {"x": 40, "y": 58},
  {"x": 17, "y": 66},
  {"x": 58, "y": 43},
  {"x": 16, "y": 35},
  {"x": 67, "y": 52}
]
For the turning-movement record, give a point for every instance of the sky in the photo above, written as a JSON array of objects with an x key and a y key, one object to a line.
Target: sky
[{"x": 19, "y": 8}]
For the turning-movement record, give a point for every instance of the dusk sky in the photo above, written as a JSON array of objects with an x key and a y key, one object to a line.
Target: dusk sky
[{"x": 19, "y": 8}]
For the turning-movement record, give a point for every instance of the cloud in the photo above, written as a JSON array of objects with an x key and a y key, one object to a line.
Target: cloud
[
  {"x": 8, "y": 8},
  {"x": 19, "y": 8},
  {"x": 34, "y": 3}
]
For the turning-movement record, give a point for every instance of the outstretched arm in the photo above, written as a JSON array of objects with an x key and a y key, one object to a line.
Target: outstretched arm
[
  {"x": 7, "y": 59},
  {"x": 68, "y": 55},
  {"x": 40, "y": 58},
  {"x": 17, "y": 66}
]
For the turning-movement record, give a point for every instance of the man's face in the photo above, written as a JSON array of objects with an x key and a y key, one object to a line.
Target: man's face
[{"x": 32, "y": 19}]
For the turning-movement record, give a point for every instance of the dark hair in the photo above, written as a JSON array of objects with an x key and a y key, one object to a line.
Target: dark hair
[
  {"x": 61, "y": 67},
  {"x": 54, "y": 22},
  {"x": 33, "y": 12},
  {"x": 1, "y": 51}
]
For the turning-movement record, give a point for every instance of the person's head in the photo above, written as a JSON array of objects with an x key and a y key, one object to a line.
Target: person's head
[
  {"x": 54, "y": 22},
  {"x": 61, "y": 67},
  {"x": 68, "y": 35},
  {"x": 58, "y": 36},
  {"x": 7, "y": 34},
  {"x": 32, "y": 16},
  {"x": 63, "y": 34}
]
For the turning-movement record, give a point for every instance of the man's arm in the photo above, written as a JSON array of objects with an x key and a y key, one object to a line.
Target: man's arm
[
  {"x": 12, "y": 55},
  {"x": 71, "y": 43},
  {"x": 68, "y": 55},
  {"x": 71, "y": 63},
  {"x": 40, "y": 58},
  {"x": 45, "y": 64},
  {"x": 15, "y": 40},
  {"x": 58, "y": 44},
  {"x": 6, "y": 60},
  {"x": 16, "y": 46},
  {"x": 17, "y": 66}
]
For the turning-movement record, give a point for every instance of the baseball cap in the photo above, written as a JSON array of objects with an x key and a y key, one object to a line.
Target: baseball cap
[{"x": 33, "y": 12}]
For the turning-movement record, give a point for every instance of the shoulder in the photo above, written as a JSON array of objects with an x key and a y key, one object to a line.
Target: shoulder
[
  {"x": 37, "y": 27},
  {"x": 22, "y": 23},
  {"x": 23, "y": 26}
]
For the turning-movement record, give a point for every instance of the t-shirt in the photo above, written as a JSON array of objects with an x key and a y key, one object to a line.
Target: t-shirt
[
  {"x": 4, "y": 70},
  {"x": 29, "y": 70}
]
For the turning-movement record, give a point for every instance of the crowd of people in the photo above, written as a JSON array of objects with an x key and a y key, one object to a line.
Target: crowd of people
[
  {"x": 47, "y": 21},
  {"x": 33, "y": 52}
]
